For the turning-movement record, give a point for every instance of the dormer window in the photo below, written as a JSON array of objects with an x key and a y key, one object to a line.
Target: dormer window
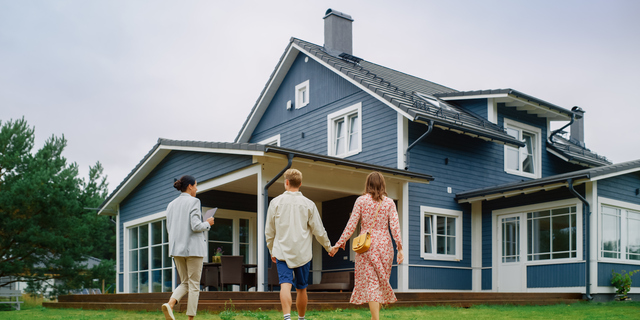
[
  {"x": 524, "y": 161},
  {"x": 345, "y": 131},
  {"x": 302, "y": 95}
]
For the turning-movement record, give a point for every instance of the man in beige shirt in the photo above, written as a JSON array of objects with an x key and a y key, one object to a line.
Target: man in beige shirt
[{"x": 291, "y": 221}]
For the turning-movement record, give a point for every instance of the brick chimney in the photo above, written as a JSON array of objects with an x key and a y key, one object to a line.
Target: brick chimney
[{"x": 338, "y": 35}]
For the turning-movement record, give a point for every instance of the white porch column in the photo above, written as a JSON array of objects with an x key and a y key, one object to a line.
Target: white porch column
[
  {"x": 476, "y": 246},
  {"x": 591, "y": 194},
  {"x": 318, "y": 253},
  {"x": 403, "y": 215},
  {"x": 260, "y": 216}
]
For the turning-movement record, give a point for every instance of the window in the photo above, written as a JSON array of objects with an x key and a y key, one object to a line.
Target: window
[
  {"x": 441, "y": 234},
  {"x": 345, "y": 131},
  {"x": 552, "y": 234},
  {"x": 150, "y": 267},
  {"x": 525, "y": 161},
  {"x": 619, "y": 234},
  {"x": 232, "y": 233},
  {"x": 302, "y": 95}
]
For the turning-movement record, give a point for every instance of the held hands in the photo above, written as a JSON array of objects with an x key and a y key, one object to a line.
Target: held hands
[
  {"x": 210, "y": 220},
  {"x": 333, "y": 251}
]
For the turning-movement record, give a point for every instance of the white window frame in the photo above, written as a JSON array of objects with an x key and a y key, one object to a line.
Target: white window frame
[
  {"x": 624, "y": 207},
  {"x": 299, "y": 97},
  {"x": 523, "y": 210},
  {"x": 236, "y": 216},
  {"x": 331, "y": 121},
  {"x": 148, "y": 220},
  {"x": 435, "y": 213},
  {"x": 537, "y": 152},
  {"x": 275, "y": 141}
]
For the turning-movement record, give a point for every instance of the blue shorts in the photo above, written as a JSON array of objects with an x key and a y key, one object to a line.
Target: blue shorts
[{"x": 286, "y": 274}]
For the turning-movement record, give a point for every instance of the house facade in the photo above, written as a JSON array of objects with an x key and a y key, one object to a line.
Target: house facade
[{"x": 489, "y": 198}]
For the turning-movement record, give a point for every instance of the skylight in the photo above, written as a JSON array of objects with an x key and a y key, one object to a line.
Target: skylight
[{"x": 435, "y": 102}]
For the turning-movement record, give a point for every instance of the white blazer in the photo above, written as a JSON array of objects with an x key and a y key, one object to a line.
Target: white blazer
[{"x": 186, "y": 228}]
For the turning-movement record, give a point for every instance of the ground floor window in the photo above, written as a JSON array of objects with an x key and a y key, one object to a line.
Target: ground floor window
[
  {"x": 552, "y": 234},
  {"x": 620, "y": 233},
  {"x": 441, "y": 234},
  {"x": 233, "y": 232},
  {"x": 149, "y": 264}
]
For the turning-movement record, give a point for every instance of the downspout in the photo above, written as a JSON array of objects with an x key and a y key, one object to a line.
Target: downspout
[
  {"x": 573, "y": 118},
  {"x": 406, "y": 153},
  {"x": 586, "y": 208},
  {"x": 265, "y": 193}
]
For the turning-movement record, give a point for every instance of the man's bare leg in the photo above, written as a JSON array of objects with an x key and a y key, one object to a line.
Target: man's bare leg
[
  {"x": 285, "y": 297},
  {"x": 301, "y": 301}
]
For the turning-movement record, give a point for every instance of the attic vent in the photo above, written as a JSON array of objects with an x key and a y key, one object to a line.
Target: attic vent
[
  {"x": 350, "y": 58},
  {"x": 433, "y": 101}
]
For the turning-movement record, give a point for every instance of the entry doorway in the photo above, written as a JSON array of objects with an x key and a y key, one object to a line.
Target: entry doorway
[{"x": 511, "y": 248}]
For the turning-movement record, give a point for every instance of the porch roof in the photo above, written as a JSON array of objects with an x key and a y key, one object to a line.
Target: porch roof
[
  {"x": 548, "y": 183},
  {"x": 164, "y": 146}
]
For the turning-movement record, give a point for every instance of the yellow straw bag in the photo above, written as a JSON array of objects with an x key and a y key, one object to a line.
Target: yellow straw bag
[{"x": 362, "y": 242}]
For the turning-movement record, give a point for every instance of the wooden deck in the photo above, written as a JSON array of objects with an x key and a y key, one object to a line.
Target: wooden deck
[{"x": 219, "y": 301}]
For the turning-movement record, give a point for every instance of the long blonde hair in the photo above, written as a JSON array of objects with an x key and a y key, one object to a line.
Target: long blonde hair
[{"x": 375, "y": 186}]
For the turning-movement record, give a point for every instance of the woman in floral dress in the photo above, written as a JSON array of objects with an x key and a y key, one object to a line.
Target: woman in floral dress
[{"x": 373, "y": 267}]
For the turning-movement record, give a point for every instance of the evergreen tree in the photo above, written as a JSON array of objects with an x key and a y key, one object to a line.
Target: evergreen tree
[{"x": 45, "y": 228}]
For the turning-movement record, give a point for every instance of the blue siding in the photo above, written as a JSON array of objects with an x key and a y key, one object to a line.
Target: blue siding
[
  {"x": 155, "y": 192},
  {"x": 328, "y": 93},
  {"x": 439, "y": 278},
  {"x": 605, "y": 269},
  {"x": 477, "y": 106},
  {"x": 556, "y": 275},
  {"x": 487, "y": 276},
  {"x": 121, "y": 282},
  {"x": 622, "y": 188}
]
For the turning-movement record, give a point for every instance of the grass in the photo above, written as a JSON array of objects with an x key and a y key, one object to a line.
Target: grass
[{"x": 582, "y": 310}]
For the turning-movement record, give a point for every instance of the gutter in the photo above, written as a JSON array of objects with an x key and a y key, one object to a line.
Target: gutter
[
  {"x": 406, "y": 153},
  {"x": 266, "y": 208},
  {"x": 586, "y": 208}
]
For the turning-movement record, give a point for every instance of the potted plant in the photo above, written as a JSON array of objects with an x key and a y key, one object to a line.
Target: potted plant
[
  {"x": 216, "y": 258},
  {"x": 622, "y": 282}
]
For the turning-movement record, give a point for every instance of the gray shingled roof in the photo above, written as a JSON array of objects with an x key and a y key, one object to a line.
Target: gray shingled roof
[
  {"x": 508, "y": 91},
  {"x": 577, "y": 154},
  {"x": 264, "y": 148},
  {"x": 400, "y": 90},
  {"x": 590, "y": 173}
]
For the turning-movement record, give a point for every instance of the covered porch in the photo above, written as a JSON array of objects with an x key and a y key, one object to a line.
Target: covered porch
[{"x": 332, "y": 183}]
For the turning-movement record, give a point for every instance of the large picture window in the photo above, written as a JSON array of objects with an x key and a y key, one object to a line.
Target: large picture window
[
  {"x": 525, "y": 161},
  {"x": 345, "y": 131},
  {"x": 441, "y": 234},
  {"x": 620, "y": 238},
  {"x": 148, "y": 258},
  {"x": 552, "y": 234}
]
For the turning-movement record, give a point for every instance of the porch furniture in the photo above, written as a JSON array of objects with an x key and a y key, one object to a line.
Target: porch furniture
[
  {"x": 334, "y": 281},
  {"x": 210, "y": 276},
  {"x": 231, "y": 270},
  {"x": 272, "y": 275},
  {"x": 13, "y": 295}
]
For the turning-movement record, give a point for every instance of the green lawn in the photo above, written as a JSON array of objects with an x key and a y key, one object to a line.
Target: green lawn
[{"x": 583, "y": 310}]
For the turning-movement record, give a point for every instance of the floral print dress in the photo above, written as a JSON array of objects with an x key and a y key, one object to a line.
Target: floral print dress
[{"x": 373, "y": 268}]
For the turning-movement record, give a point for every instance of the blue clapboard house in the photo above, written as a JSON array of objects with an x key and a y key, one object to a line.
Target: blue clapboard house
[{"x": 490, "y": 199}]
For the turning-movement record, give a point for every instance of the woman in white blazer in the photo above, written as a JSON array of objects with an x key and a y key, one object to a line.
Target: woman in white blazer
[{"x": 187, "y": 244}]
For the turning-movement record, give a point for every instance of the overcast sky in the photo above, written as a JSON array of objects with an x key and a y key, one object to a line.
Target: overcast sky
[{"x": 114, "y": 76}]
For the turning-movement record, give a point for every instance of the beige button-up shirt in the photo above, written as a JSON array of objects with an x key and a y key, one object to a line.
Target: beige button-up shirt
[{"x": 291, "y": 220}]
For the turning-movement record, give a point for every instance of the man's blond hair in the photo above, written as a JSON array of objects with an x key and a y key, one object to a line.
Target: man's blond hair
[{"x": 294, "y": 176}]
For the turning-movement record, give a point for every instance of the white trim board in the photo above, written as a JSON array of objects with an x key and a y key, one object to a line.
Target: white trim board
[{"x": 270, "y": 140}]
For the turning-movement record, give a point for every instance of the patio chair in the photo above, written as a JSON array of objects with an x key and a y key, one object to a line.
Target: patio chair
[
  {"x": 210, "y": 277},
  {"x": 272, "y": 275},
  {"x": 231, "y": 270}
]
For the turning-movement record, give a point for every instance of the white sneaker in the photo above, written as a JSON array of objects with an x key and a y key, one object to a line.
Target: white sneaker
[{"x": 168, "y": 312}]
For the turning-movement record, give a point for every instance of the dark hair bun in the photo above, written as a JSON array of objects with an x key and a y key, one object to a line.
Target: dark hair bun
[{"x": 178, "y": 185}]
